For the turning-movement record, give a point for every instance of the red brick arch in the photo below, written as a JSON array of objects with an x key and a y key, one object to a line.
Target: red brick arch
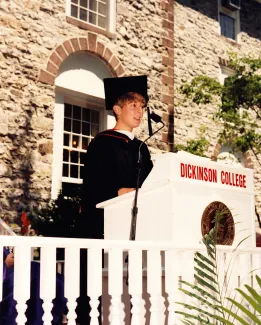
[
  {"x": 73, "y": 45},
  {"x": 248, "y": 161}
]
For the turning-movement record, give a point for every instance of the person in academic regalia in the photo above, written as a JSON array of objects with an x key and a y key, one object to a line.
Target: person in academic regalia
[
  {"x": 34, "y": 312},
  {"x": 110, "y": 167}
]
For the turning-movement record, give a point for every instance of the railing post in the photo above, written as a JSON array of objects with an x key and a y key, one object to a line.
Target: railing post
[
  {"x": 135, "y": 286},
  {"x": 48, "y": 281},
  {"x": 154, "y": 287},
  {"x": 71, "y": 281},
  {"x": 94, "y": 282},
  {"x": 172, "y": 283},
  {"x": 115, "y": 275},
  {"x": 22, "y": 275}
]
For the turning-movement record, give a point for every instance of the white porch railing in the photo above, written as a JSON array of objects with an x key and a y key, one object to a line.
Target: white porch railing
[{"x": 155, "y": 270}]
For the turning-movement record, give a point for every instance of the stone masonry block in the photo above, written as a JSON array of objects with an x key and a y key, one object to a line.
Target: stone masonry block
[
  {"x": 68, "y": 47},
  {"x": 83, "y": 43},
  {"x": 55, "y": 59},
  {"x": 92, "y": 39},
  {"x": 46, "y": 77},
  {"x": 61, "y": 52},
  {"x": 75, "y": 44},
  {"x": 52, "y": 68},
  {"x": 100, "y": 48}
]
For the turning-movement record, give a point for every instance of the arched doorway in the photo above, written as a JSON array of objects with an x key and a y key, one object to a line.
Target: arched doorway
[{"x": 79, "y": 115}]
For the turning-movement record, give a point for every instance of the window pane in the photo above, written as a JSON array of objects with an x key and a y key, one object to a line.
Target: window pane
[
  {"x": 83, "y": 3},
  {"x": 85, "y": 128},
  {"x": 77, "y": 127},
  {"x": 95, "y": 129},
  {"x": 66, "y": 139},
  {"x": 74, "y": 157},
  {"x": 82, "y": 157},
  {"x": 74, "y": 171},
  {"x": 66, "y": 155},
  {"x": 74, "y": 11},
  {"x": 86, "y": 114},
  {"x": 77, "y": 112},
  {"x": 67, "y": 124},
  {"x": 227, "y": 25},
  {"x": 101, "y": 22},
  {"x": 83, "y": 14},
  {"x": 67, "y": 110},
  {"x": 65, "y": 170},
  {"x": 75, "y": 1},
  {"x": 93, "y": 5},
  {"x": 92, "y": 18},
  {"x": 85, "y": 142},
  {"x": 102, "y": 9},
  {"x": 76, "y": 141},
  {"x": 95, "y": 117},
  {"x": 81, "y": 171}
]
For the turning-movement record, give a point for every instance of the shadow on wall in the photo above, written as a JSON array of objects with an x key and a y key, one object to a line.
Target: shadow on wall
[
  {"x": 22, "y": 189},
  {"x": 250, "y": 22}
]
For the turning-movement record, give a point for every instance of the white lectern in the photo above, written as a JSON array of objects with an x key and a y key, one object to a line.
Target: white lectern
[{"x": 179, "y": 198}]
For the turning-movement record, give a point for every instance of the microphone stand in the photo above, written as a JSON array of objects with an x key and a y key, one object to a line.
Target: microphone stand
[{"x": 134, "y": 211}]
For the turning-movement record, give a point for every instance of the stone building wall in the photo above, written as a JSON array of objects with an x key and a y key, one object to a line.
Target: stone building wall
[
  {"x": 198, "y": 49},
  {"x": 35, "y": 38}
]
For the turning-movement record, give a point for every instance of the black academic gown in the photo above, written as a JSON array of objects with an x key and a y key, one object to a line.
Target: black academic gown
[{"x": 110, "y": 164}]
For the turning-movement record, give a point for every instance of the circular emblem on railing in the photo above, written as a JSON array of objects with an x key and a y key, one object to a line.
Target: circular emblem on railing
[{"x": 226, "y": 229}]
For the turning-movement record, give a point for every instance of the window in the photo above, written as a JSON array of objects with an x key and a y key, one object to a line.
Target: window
[
  {"x": 80, "y": 126},
  {"x": 229, "y": 22},
  {"x": 224, "y": 73},
  {"x": 97, "y": 13},
  {"x": 227, "y": 25}
]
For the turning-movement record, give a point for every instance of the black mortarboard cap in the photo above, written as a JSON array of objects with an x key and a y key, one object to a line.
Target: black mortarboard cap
[{"x": 116, "y": 87}]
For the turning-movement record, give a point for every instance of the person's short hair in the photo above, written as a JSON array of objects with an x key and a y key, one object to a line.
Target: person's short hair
[{"x": 127, "y": 98}]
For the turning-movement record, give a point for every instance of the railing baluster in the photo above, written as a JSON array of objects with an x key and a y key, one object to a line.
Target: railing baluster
[
  {"x": 135, "y": 286},
  {"x": 115, "y": 286},
  {"x": 94, "y": 285},
  {"x": 171, "y": 283},
  {"x": 154, "y": 287},
  {"x": 48, "y": 281},
  {"x": 22, "y": 272},
  {"x": 71, "y": 281}
]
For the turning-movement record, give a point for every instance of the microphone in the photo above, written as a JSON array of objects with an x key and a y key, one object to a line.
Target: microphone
[{"x": 157, "y": 119}]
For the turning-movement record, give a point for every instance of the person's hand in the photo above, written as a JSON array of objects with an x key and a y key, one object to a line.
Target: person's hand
[
  {"x": 125, "y": 190},
  {"x": 9, "y": 261}
]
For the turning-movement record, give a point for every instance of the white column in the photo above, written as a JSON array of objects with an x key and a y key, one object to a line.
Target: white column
[
  {"x": 115, "y": 276},
  {"x": 22, "y": 275},
  {"x": 172, "y": 284},
  {"x": 94, "y": 282},
  {"x": 71, "y": 281},
  {"x": 48, "y": 281},
  {"x": 135, "y": 286},
  {"x": 154, "y": 287}
]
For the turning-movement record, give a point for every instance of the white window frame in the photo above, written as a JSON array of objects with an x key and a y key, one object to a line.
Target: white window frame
[
  {"x": 111, "y": 15},
  {"x": 233, "y": 14},
  {"x": 68, "y": 96},
  {"x": 224, "y": 73}
]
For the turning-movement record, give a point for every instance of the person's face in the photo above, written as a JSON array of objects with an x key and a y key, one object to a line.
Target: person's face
[{"x": 130, "y": 115}]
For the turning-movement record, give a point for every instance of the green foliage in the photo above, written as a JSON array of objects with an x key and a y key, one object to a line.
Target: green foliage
[
  {"x": 58, "y": 218},
  {"x": 196, "y": 146},
  {"x": 238, "y": 102},
  {"x": 211, "y": 307}
]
